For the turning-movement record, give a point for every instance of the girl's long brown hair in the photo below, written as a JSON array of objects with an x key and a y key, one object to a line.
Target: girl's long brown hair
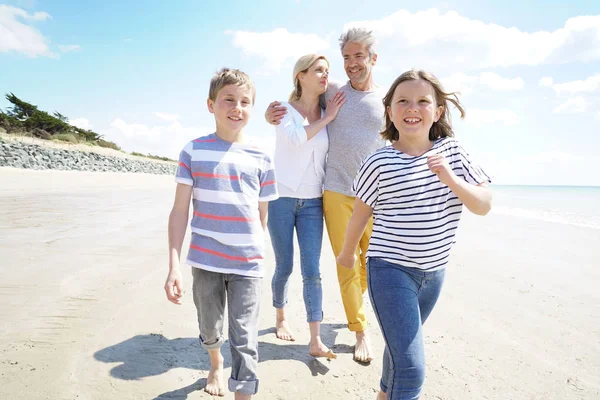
[{"x": 441, "y": 128}]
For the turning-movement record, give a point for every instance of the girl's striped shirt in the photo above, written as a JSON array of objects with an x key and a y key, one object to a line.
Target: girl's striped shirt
[{"x": 415, "y": 215}]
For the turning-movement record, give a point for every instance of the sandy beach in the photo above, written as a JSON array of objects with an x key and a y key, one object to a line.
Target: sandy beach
[{"x": 84, "y": 316}]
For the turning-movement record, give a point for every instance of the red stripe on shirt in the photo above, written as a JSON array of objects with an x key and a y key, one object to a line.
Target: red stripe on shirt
[
  {"x": 216, "y": 253},
  {"x": 204, "y": 140},
  {"x": 267, "y": 183},
  {"x": 184, "y": 165},
  {"x": 230, "y": 177},
  {"x": 223, "y": 218}
]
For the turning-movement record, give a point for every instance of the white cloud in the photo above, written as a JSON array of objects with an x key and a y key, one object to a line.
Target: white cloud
[
  {"x": 463, "y": 83},
  {"x": 500, "y": 84},
  {"x": 588, "y": 85},
  {"x": 546, "y": 81},
  {"x": 67, "y": 48},
  {"x": 504, "y": 116},
  {"x": 598, "y": 115},
  {"x": 167, "y": 117},
  {"x": 573, "y": 105},
  {"x": 460, "y": 42},
  {"x": 162, "y": 140},
  {"x": 551, "y": 157},
  {"x": 82, "y": 123},
  {"x": 277, "y": 47},
  {"x": 17, "y": 34}
]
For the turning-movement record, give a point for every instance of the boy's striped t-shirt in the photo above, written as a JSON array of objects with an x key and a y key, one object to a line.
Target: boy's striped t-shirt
[
  {"x": 229, "y": 180},
  {"x": 415, "y": 215}
]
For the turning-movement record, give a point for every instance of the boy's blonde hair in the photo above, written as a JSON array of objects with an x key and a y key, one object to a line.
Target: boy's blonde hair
[
  {"x": 440, "y": 129},
  {"x": 227, "y": 76},
  {"x": 302, "y": 65}
]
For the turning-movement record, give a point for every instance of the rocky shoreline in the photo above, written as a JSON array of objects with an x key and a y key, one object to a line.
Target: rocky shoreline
[{"x": 32, "y": 156}]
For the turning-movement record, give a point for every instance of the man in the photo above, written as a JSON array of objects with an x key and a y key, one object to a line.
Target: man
[{"x": 353, "y": 135}]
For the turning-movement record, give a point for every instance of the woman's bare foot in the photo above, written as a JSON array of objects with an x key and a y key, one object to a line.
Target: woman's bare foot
[
  {"x": 362, "y": 349},
  {"x": 381, "y": 395},
  {"x": 283, "y": 331},
  {"x": 214, "y": 382},
  {"x": 316, "y": 348}
]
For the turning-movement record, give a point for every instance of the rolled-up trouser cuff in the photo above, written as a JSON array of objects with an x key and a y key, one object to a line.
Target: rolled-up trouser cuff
[
  {"x": 316, "y": 316},
  {"x": 244, "y": 387},
  {"x": 212, "y": 346},
  {"x": 358, "y": 326}
]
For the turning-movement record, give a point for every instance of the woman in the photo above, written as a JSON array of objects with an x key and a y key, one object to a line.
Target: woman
[{"x": 300, "y": 152}]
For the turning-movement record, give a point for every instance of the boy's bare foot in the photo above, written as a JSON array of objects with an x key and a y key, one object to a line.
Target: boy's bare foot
[
  {"x": 362, "y": 349},
  {"x": 381, "y": 395},
  {"x": 214, "y": 382},
  {"x": 283, "y": 331},
  {"x": 316, "y": 348},
  {"x": 240, "y": 396}
]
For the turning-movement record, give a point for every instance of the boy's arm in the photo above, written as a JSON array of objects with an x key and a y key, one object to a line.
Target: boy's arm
[
  {"x": 178, "y": 220},
  {"x": 263, "y": 211},
  {"x": 358, "y": 222}
]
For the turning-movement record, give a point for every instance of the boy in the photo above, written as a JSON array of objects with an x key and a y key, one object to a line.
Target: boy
[{"x": 231, "y": 183}]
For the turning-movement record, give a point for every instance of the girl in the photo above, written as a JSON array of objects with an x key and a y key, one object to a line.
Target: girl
[
  {"x": 300, "y": 152},
  {"x": 415, "y": 189}
]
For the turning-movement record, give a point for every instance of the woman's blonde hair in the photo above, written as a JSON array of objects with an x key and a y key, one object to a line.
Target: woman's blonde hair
[
  {"x": 442, "y": 127},
  {"x": 302, "y": 65}
]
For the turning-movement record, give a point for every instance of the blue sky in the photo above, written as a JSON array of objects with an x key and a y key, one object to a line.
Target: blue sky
[{"x": 138, "y": 73}]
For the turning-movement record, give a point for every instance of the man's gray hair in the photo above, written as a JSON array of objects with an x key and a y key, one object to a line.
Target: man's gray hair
[{"x": 359, "y": 35}]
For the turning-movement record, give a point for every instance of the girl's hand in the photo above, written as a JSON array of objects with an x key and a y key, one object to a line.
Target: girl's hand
[
  {"x": 439, "y": 166},
  {"x": 334, "y": 104},
  {"x": 346, "y": 260}
]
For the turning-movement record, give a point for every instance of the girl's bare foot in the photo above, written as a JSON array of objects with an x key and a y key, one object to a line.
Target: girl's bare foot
[
  {"x": 316, "y": 348},
  {"x": 214, "y": 382},
  {"x": 283, "y": 331},
  {"x": 362, "y": 349}
]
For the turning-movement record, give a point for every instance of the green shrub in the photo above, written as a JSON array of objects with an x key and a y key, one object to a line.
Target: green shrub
[
  {"x": 66, "y": 137},
  {"x": 106, "y": 143}
]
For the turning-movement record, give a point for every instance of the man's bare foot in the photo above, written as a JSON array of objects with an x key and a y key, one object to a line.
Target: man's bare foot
[
  {"x": 283, "y": 331},
  {"x": 381, "y": 395},
  {"x": 362, "y": 349},
  {"x": 316, "y": 348}
]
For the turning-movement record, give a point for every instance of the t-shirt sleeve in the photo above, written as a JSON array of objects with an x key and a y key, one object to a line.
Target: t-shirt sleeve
[
  {"x": 183, "y": 174},
  {"x": 366, "y": 183},
  {"x": 332, "y": 88},
  {"x": 268, "y": 184},
  {"x": 291, "y": 129},
  {"x": 472, "y": 172}
]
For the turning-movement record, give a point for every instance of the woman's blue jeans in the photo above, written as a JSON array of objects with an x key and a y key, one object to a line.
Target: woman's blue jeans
[
  {"x": 402, "y": 299},
  {"x": 306, "y": 217}
]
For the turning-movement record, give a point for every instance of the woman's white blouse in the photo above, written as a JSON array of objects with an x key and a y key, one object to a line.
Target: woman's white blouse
[{"x": 299, "y": 163}]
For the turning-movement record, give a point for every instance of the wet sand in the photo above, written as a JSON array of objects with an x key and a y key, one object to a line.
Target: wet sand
[{"x": 83, "y": 262}]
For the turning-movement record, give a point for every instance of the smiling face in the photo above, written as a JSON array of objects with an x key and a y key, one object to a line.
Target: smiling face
[
  {"x": 232, "y": 108},
  {"x": 413, "y": 109},
  {"x": 316, "y": 78},
  {"x": 358, "y": 63}
]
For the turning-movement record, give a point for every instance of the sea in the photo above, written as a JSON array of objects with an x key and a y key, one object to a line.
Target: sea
[{"x": 570, "y": 205}]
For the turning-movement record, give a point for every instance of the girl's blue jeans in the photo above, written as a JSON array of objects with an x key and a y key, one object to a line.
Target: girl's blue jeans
[{"x": 402, "y": 299}]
